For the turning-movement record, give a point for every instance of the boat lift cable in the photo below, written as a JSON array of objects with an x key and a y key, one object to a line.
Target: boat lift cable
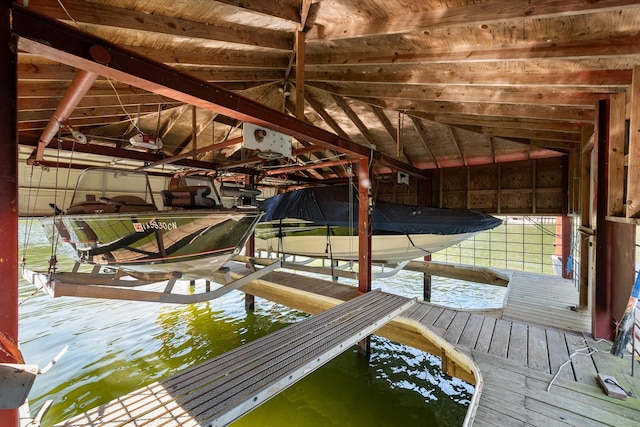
[
  {"x": 57, "y": 211},
  {"x": 27, "y": 234}
]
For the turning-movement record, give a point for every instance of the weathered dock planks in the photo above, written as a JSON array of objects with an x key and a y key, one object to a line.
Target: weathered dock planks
[
  {"x": 533, "y": 373},
  {"x": 223, "y": 389}
]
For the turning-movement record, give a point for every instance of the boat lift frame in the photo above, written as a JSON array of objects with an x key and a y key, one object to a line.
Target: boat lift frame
[{"x": 122, "y": 286}]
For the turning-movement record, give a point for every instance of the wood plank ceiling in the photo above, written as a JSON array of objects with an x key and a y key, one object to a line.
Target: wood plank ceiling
[{"x": 433, "y": 83}]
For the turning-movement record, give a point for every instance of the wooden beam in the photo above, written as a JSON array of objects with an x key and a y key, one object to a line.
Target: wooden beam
[
  {"x": 110, "y": 16},
  {"x": 364, "y": 131},
  {"x": 47, "y": 102},
  {"x": 468, "y": 76},
  {"x": 475, "y": 14},
  {"x": 617, "y": 128},
  {"x": 428, "y": 109},
  {"x": 328, "y": 119},
  {"x": 443, "y": 91},
  {"x": 633, "y": 172},
  {"x": 213, "y": 57},
  {"x": 465, "y": 120},
  {"x": 276, "y": 9},
  {"x": 422, "y": 133},
  {"x": 300, "y": 75},
  {"x": 454, "y": 138},
  {"x": 616, "y": 45}
]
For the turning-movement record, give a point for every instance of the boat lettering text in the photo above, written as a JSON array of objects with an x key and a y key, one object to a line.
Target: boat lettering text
[{"x": 156, "y": 225}]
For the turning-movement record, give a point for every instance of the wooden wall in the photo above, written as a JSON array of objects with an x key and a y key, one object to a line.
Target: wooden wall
[{"x": 525, "y": 187}]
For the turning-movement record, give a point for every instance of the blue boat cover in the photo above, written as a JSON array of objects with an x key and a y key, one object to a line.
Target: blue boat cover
[{"x": 330, "y": 206}]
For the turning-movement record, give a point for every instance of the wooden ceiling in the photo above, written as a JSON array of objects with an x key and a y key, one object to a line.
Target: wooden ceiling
[{"x": 431, "y": 83}]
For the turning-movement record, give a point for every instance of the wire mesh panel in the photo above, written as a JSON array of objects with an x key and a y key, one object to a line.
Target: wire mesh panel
[{"x": 527, "y": 243}]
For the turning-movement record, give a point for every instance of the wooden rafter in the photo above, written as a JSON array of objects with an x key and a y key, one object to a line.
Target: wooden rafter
[
  {"x": 417, "y": 123},
  {"x": 96, "y": 14},
  {"x": 468, "y": 15}
]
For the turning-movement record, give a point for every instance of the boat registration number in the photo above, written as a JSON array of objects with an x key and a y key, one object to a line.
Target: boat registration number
[{"x": 154, "y": 225}]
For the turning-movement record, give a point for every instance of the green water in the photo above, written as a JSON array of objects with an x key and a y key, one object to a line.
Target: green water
[{"x": 117, "y": 347}]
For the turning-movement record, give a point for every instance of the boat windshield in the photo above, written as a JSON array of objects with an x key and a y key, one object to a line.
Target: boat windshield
[{"x": 103, "y": 183}]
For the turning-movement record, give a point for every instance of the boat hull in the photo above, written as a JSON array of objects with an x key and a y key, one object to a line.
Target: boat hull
[
  {"x": 385, "y": 248},
  {"x": 194, "y": 243}
]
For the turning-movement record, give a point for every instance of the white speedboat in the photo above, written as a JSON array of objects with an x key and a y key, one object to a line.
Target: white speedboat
[
  {"x": 116, "y": 219},
  {"x": 317, "y": 223}
]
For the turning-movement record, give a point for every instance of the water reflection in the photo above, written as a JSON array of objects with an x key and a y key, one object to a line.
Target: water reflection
[{"x": 116, "y": 347}]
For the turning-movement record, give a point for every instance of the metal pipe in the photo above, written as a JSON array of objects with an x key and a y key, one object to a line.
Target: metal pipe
[{"x": 80, "y": 85}]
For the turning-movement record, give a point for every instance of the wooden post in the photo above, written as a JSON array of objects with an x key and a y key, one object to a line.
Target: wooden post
[
  {"x": 426, "y": 281},
  {"x": 9, "y": 352},
  {"x": 586, "y": 216},
  {"x": 615, "y": 243},
  {"x": 563, "y": 244},
  {"x": 633, "y": 171},
  {"x": 250, "y": 251},
  {"x": 601, "y": 313}
]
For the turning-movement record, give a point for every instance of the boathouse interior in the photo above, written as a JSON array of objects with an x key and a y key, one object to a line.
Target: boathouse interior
[{"x": 506, "y": 107}]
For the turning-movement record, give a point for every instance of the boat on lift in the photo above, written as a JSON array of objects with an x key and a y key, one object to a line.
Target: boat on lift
[
  {"x": 322, "y": 222},
  {"x": 118, "y": 219}
]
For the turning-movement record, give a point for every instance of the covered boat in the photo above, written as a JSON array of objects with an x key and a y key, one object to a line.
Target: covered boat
[
  {"x": 322, "y": 223},
  {"x": 118, "y": 219}
]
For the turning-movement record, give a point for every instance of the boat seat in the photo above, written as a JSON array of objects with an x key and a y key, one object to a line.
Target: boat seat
[
  {"x": 188, "y": 197},
  {"x": 116, "y": 204}
]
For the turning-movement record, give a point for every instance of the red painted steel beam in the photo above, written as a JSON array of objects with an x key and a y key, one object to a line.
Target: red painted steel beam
[
  {"x": 41, "y": 35},
  {"x": 120, "y": 153},
  {"x": 364, "y": 227},
  {"x": 9, "y": 352},
  {"x": 308, "y": 166}
]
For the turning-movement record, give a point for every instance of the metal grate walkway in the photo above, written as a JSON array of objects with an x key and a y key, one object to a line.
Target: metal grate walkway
[{"x": 221, "y": 390}]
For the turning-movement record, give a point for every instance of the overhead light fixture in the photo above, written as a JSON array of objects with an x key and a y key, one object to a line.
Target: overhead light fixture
[{"x": 146, "y": 141}]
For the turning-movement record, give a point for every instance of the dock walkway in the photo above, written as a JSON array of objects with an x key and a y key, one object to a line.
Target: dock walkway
[
  {"x": 533, "y": 371},
  {"x": 222, "y": 389},
  {"x": 538, "y": 366}
]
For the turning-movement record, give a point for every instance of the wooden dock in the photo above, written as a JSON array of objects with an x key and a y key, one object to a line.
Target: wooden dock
[
  {"x": 535, "y": 368},
  {"x": 531, "y": 367},
  {"x": 223, "y": 389}
]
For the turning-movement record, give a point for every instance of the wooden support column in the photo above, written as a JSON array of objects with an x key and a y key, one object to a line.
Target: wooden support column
[
  {"x": 633, "y": 172},
  {"x": 426, "y": 282},
  {"x": 567, "y": 229},
  {"x": 601, "y": 313},
  {"x": 364, "y": 243},
  {"x": 615, "y": 241},
  {"x": 615, "y": 155},
  {"x": 9, "y": 352},
  {"x": 586, "y": 220}
]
